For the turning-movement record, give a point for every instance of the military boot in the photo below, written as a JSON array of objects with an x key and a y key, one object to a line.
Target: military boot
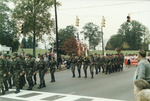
[
  {"x": 85, "y": 74},
  {"x": 79, "y": 73},
  {"x": 92, "y": 75},
  {"x": 40, "y": 86},
  {"x": 30, "y": 87},
  {"x": 3, "y": 92},
  {"x": 73, "y": 74},
  {"x": 17, "y": 90},
  {"x": 44, "y": 85}
]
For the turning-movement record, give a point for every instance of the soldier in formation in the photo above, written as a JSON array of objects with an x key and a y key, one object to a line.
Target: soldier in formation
[
  {"x": 105, "y": 64},
  {"x": 2, "y": 73},
  {"x": 52, "y": 66},
  {"x": 41, "y": 66}
]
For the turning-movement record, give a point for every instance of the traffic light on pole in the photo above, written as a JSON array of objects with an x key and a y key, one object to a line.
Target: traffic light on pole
[
  {"x": 77, "y": 21},
  {"x": 22, "y": 29},
  {"x": 103, "y": 22},
  {"x": 128, "y": 19}
]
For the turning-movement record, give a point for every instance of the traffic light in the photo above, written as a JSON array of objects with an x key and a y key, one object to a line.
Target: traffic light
[
  {"x": 103, "y": 22},
  {"x": 77, "y": 21},
  {"x": 128, "y": 19},
  {"x": 22, "y": 29}
]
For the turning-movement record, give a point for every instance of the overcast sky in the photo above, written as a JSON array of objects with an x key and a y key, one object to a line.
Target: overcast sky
[{"x": 114, "y": 11}]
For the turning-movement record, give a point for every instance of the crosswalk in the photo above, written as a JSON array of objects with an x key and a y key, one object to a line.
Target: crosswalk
[{"x": 25, "y": 95}]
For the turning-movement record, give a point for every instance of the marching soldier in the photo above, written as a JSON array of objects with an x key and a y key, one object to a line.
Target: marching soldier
[
  {"x": 52, "y": 66},
  {"x": 113, "y": 63},
  {"x": 107, "y": 64},
  {"x": 41, "y": 66},
  {"x": 2, "y": 74},
  {"x": 6, "y": 68},
  {"x": 96, "y": 63},
  {"x": 23, "y": 65},
  {"x": 35, "y": 68},
  {"x": 79, "y": 64},
  {"x": 9, "y": 60},
  {"x": 103, "y": 63},
  {"x": 73, "y": 62},
  {"x": 110, "y": 63},
  {"x": 17, "y": 72},
  {"x": 91, "y": 61},
  {"x": 85, "y": 65},
  {"x": 29, "y": 71},
  {"x": 116, "y": 64},
  {"x": 99, "y": 63},
  {"x": 122, "y": 61}
]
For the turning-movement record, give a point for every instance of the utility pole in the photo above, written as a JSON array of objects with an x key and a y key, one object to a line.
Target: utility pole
[
  {"x": 56, "y": 31},
  {"x": 102, "y": 25}
]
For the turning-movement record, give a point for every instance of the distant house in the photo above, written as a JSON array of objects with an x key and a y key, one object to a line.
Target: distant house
[{"x": 5, "y": 49}]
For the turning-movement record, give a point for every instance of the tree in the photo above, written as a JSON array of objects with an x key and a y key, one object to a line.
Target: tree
[
  {"x": 8, "y": 27},
  {"x": 24, "y": 42},
  {"x": 64, "y": 34},
  {"x": 35, "y": 16},
  {"x": 115, "y": 41},
  {"x": 70, "y": 46},
  {"x": 133, "y": 34},
  {"x": 132, "y": 37},
  {"x": 91, "y": 32}
]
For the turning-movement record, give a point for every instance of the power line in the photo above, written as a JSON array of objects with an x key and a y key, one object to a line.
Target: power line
[{"x": 117, "y": 4}]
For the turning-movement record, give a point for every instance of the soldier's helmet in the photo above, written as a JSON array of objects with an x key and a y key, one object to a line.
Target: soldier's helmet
[
  {"x": 20, "y": 56},
  {"x": 41, "y": 56},
  {"x": 30, "y": 55},
  {"x": 9, "y": 56},
  {"x": 0, "y": 53},
  {"x": 95, "y": 54},
  {"x": 5, "y": 55},
  {"x": 15, "y": 54}
]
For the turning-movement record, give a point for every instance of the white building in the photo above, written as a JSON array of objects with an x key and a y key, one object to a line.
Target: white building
[{"x": 5, "y": 49}]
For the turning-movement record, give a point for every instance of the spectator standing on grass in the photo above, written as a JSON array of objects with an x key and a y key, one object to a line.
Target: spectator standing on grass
[{"x": 143, "y": 69}]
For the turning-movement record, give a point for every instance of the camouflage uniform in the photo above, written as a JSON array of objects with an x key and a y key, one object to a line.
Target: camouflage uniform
[
  {"x": 73, "y": 63},
  {"x": 103, "y": 63},
  {"x": 91, "y": 61},
  {"x": 79, "y": 64},
  {"x": 122, "y": 61},
  {"x": 96, "y": 63},
  {"x": 113, "y": 63},
  {"x": 17, "y": 70},
  {"x": 99, "y": 63},
  {"x": 116, "y": 63},
  {"x": 29, "y": 71},
  {"x": 1, "y": 75},
  {"x": 9, "y": 70},
  {"x": 22, "y": 77},
  {"x": 107, "y": 63},
  {"x": 41, "y": 66},
  {"x": 85, "y": 65},
  {"x": 52, "y": 66},
  {"x": 5, "y": 78}
]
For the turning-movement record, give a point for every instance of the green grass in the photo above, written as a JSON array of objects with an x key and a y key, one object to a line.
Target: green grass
[
  {"x": 41, "y": 51},
  {"x": 114, "y": 52}
]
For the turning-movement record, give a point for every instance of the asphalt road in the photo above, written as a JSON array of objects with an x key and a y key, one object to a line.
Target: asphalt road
[{"x": 118, "y": 85}]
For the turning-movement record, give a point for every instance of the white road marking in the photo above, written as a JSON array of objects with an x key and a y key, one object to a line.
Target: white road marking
[{"x": 41, "y": 95}]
